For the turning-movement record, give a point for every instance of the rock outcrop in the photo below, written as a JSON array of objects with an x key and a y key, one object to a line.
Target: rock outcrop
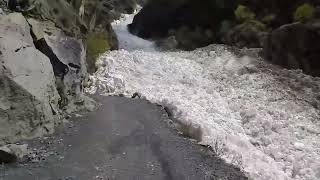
[
  {"x": 29, "y": 98},
  {"x": 68, "y": 58},
  {"x": 295, "y": 46},
  {"x": 240, "y": 23},
  {"x": 243, "y": 23},
  {"x": 46, "y": 52},
  {"x": 192, "y": 19}
]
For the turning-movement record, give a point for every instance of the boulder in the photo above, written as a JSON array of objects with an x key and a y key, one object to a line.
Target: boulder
[
  {"x": 295, "y": 46},
  {"x": 6, "y": 156},
  {"x": 28, "y": 95},
  {"x": 157, "y": 17},
  {"x": 79, "y": 19},
  {"x": 68, "y": 58},
  {"x": 153, "y": 20},
  {"x": 12, "y": 152}
]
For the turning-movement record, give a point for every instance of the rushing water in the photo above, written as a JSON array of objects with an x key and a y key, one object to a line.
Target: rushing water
[{"x": 260, "y": 117}]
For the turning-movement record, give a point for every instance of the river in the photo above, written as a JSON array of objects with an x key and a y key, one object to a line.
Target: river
[{"x": 262, "y": 118}]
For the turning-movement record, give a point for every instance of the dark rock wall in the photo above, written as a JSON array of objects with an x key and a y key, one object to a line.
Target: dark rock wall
[{"x": 295, "y": 46}]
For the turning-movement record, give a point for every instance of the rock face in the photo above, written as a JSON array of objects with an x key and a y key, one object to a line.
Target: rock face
[
  {"x": 68, "y": 58},
  {"x": 154, "y": 20},
  {"x": 44, "y": 60},
  {"x": 243, "y": 23},
  {"x": 81, "y": 19},
  {"x": 159, "y": 17},
  {"x": 79, "y": 16},
  {"x": 29, "y": 99},
  {"x": 295, "y": 46}
]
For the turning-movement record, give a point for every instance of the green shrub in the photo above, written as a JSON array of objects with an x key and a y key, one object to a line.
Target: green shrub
[
  {"x": 304, "y": 13},
  {"x": 243, "y": 13}
]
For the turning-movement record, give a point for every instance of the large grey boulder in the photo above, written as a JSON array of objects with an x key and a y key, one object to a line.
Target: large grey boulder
[
  {"x": 68, "y": 59},
  {"x": 28, "y": 95}
]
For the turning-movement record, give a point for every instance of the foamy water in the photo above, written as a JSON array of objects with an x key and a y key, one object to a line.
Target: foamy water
[{"x": 265, "y": 119}]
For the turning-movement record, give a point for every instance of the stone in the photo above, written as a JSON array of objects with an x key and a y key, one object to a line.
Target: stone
[
  {"x": 28, "y": 95},
  {"x": 68, "y": 58},
  {"x": 7, "y": 157},
  {"x": 12, "y": 152},
  {"x": 157, "y": 24},
  {"x": 158, "y": 17},
  {"x": 295, "y": 46},
  {"x": 299, "y": 146},
  {"x": 19, "y": 150},
  {"x": 87, "y": 20}
]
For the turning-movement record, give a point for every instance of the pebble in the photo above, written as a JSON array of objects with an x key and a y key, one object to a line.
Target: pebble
[{"x": 299, "y": 146}]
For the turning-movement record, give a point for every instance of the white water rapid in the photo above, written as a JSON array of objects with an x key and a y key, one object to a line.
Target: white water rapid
[{"x": 265, "y": 119}]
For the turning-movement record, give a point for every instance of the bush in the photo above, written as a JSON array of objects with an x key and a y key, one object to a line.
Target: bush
[
  {"x": 243, "y": 13},
  {"x": 304, "y": 13}
]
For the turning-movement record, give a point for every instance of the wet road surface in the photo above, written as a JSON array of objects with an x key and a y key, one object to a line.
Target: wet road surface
[{"x": 126, "y": 139}]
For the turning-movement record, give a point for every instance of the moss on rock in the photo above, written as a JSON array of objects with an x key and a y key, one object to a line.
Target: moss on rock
[
  {"x": 97, "y": 44},
  {"x": 304, "y": 13},
  {"x": 243, "y": 13},
  {"x": 268, "y": 19}
]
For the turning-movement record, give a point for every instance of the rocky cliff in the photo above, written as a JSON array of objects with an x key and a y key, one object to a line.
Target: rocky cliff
[{"x": 47, "y": 49}]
